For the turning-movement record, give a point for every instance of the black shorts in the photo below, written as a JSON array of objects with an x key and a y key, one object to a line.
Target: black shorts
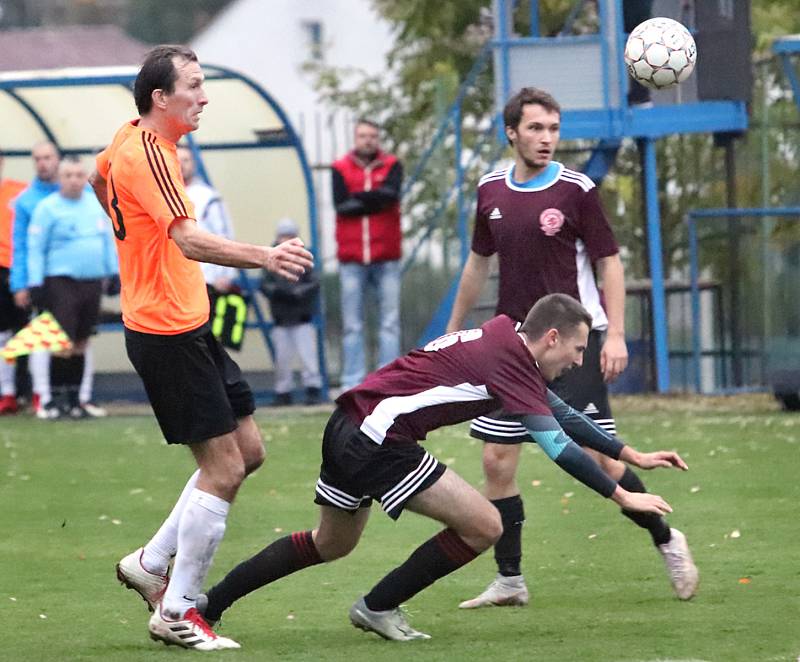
[
  {"x": 75, "y": 303},
  {"x": 196, "y": 390},
  {"x": 355, "y": 469},
  {"x": 582, "y": 388},
  {"x": 12, "y": 318}
]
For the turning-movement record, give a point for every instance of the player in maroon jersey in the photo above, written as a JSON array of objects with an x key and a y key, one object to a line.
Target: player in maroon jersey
[
  {"x": 547, "y": 226},
  {"x": 371, "y": 450}
]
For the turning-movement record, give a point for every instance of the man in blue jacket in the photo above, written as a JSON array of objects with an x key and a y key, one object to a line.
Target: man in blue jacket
[
  {"x": 70, "y": 252},
  {"x": 45, "y": 162}
]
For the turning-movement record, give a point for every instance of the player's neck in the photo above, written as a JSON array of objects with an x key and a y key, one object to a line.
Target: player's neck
[
  {"x": 160, "y": 128},
  {"x": 524, "y": 171}
]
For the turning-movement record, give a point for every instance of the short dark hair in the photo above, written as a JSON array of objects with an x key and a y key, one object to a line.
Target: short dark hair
[
  {"x": 512, "y": 113},
  {"x": 555, "y": 311},
  {"x": 158, "y": 73},
  {"x": 368, "y": 122}
]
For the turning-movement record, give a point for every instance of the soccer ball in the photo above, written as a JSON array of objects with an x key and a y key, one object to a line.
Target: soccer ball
[{"x": 660, "y": 53}]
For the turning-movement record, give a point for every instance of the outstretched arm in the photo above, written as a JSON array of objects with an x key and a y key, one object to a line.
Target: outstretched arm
[
  {"x": 587, "y": 433},
  {"x": 288, "y": 259},
  {"x": 546, "y": 432}
]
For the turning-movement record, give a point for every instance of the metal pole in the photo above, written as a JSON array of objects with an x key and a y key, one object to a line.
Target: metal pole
[
  {"x": 694, "y": 275},
  {"x": 461, "y": 218},
  {"x": 734, "y": 258},
  {"x": 660, "y": 336}
]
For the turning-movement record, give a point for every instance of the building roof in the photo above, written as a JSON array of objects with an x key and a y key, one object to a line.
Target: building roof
[{"x": 68, "y": 46}]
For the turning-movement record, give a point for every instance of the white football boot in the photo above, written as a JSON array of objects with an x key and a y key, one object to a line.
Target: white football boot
[
  {"x": 502, "y": 592},
  {"x": 189, "y": 631},
  {"x": 133, "y": 575},
  {"x": 680, "y": 567},
  {"x": 390, "y": 624}
]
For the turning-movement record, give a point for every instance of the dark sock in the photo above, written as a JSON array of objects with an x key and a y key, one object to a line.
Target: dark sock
[
  {"x": 281, "y": 558},
  {"x": 60, "y": 372},
  {"x": 655, "y": 524},
  {"x": 508, "y": 550},
  {"x": 75, "y": 375},
  {"x": 432, "y": 560}
]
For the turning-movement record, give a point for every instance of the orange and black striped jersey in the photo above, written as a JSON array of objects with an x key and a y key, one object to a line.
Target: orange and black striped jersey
[{"x": 163, "y": 292}]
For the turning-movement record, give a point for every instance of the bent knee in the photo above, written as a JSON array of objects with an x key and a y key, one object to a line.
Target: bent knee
[
  {"x": 485, "y": 531},
  {"x": 330, "y": 549},
  {"x": 500, "y": 462},
  {"x": 254, "y": 458}
]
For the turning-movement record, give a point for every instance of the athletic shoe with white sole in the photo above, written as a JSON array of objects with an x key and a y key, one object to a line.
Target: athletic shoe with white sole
[
  {"x": 502, "y": 592},
  {"x": 680, "y": 567},
  {"x": 190, "y": 631},
  {"x": 133, "y": 575},
  {"x": 390, "y": 624},
  {"x": 93, "y": 410}
]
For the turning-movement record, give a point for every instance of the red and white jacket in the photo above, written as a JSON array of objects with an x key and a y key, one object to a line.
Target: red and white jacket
[{"x": 367, "y": 201}]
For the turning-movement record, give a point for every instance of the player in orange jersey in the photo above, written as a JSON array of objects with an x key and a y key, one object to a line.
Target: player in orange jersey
[
  {"x": 196, "y": 390},
  {"x": 12, "y": 318}
]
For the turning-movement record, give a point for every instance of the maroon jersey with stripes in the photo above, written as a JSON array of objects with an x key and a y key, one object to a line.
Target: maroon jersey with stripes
[
  {"x": 547, "y": 237},
  {"x": 452, "y": 379}
]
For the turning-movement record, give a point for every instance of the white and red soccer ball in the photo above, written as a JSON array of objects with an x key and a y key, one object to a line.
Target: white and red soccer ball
[{"x": 660, "y": 53}]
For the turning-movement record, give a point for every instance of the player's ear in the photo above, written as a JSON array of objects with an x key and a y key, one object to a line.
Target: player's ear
[
  {"x": 511, "y": 134},
  {"x": 159, "y": 98},
  {"x": 552, "y": 337}
]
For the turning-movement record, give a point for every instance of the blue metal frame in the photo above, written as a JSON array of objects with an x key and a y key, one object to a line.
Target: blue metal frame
[
  {"x": 212, "y": 72},
  {"x": 752, "y": 213},
  {"x": 612, "y": 123},
  {"x": 784, "y": 48},
  {"x": 660, "y": 338}
]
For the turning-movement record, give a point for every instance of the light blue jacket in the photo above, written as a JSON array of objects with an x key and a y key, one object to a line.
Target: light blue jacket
[
  {"x": 70, "y": 238},
  {"x": 23, "y": 212}
]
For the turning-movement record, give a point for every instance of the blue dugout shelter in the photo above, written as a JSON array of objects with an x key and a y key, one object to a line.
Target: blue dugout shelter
[{"x": 246, "y": 147}]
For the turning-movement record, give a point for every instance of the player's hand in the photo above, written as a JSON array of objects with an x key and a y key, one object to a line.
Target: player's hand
[
  {"x": 289, "y": 259},
  {"x": 642, "y": 502},
  {"x": 22, "y": 299},
  {"x": 660, "y": 459},
  {"x": 613, "y": 357}
]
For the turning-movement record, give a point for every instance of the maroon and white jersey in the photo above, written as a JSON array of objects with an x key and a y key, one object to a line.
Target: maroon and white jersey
[
  {"x": 547, "y": 234},
  {"x": 452, "y": 379}
]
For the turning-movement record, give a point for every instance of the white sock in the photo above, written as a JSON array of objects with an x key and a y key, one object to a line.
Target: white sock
[
  {"x": 200, "y": 532},
  {"x": 7, "y": 370},
  {"x": 87, "y": 381},
  {"x": 163, "y": 545},
  {"x": 39, "y": 365}
]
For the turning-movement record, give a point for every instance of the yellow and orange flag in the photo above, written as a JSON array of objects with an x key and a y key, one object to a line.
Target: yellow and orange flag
[{"x": 42, "y": 333}]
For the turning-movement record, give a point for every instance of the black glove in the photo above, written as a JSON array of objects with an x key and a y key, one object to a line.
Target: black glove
[{"x": 111, "y": 286}]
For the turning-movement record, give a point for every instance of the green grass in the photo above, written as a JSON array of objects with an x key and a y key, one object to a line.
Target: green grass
[{"x": 75, "y": 497}]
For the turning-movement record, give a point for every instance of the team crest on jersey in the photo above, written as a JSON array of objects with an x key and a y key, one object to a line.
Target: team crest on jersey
[
  {"x": 495, "y": 215},
  {"x": 551, "y": 221}
]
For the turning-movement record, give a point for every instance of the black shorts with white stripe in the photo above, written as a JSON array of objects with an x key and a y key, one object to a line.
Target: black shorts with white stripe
[{"x": 356, "y": 470}]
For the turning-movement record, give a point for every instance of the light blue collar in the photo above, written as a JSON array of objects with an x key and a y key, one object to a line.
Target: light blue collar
[{"x": 544, "y": 179}]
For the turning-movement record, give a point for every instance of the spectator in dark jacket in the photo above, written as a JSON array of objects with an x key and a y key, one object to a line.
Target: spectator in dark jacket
[{"x": 293, "y": 333}]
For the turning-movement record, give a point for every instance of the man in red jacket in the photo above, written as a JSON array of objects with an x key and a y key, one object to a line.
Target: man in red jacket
[{"x": 366, "y": 194}]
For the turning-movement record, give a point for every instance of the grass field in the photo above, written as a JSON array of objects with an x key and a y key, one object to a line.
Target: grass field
[{"x": 75, "y": 497}]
